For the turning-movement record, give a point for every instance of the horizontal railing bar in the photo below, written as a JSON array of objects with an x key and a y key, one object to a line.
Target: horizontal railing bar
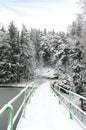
[
  {"x": 78, "y": 108},
  {"x": 15, "y": 117},
  {"x": 64, "y": 103},
  {"x": 15, "y": 98},
  {"x": 3, "y": 109},
  {"x": 74, "y": 116},
  {"x": 64, "y": 97},
  {"x": 73, "y": 93},
  {"x": 20, "y": 108},
  {"x": 60, "y": 95},
  {"x": 27, "y": 93},
  {"x": 65, "y": 89},
  {"x": 72, "y": 103},
  {"x": 62, "y": 88},
  {"x": 78, "y": 121},
  {"x": 78, "y": 95}
]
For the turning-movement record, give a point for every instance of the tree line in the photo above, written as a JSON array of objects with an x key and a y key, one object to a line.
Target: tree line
[
  {"x": 15, "y": 55},
  {"x": 21, "y": 52}
]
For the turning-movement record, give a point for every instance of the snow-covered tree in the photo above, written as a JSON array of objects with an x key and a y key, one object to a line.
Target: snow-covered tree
[
  {"x": 27, "y": 55},
  {"x": 4, "y": 57},
  {"x": 76, "y": 64},
  {"x": 77, "y": 26},
  {"x": 35, "y": 36},
  {"x": 14, "y": 56}
]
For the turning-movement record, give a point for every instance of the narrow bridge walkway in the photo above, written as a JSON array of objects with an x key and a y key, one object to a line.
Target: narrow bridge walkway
[{"x": 44, "y": 113}]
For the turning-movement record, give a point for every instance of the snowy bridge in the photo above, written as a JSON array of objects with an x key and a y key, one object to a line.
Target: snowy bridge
[{"x": 43, "y": 109}]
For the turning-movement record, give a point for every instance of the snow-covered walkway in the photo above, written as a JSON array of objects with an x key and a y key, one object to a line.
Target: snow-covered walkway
[{"x": 44, "y": 113}]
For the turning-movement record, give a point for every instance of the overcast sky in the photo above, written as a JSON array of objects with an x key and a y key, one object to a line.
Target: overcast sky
[{"x": 50, "y": 14}]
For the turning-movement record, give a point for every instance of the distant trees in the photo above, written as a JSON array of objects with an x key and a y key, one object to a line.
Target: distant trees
[
  {"x": 16, "y": 55},
  {"x": 45, "y": 49},
  {"x": 10, "y": 54},
  {"x": 35, "y": 36},
  {"x": 4, "y": 57},
  {"x": 77, "y": 26},
  {"x": 77, "y": 33},
  {"x": 22, "y": 52}
]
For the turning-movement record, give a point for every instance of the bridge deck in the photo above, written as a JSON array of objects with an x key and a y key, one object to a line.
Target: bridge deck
[{"x": 44, "y": 113}]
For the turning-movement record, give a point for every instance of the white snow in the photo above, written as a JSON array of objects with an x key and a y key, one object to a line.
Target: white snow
[
  {"x": 44, "y": 113},
  {"x": 47, "y": 72}
]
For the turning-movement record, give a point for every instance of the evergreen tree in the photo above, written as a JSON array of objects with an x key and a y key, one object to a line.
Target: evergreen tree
[
  {"x": 14, "y": 56},
  {"x": 35, "y": 36},
  {"x": 4, "y": 57},
  {"x": 27, "y": 55}
]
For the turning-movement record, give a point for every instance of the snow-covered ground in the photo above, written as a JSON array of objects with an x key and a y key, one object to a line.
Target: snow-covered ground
[
  {"x": 44, "y": 113},
  {"x": 45, "y": 72}
]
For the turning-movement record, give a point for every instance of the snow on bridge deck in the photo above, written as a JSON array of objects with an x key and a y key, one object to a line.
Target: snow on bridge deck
[{"x": 44, "y": 113}]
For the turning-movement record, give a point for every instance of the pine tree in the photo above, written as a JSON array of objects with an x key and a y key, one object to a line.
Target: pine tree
[
  {"x": 4, "y": 57},
  {"x": 13, "y": 40},
  {"x": 26, "y": 55},
  {"x": 77, "y": 69},
  {"x": 35, "y": 36}
]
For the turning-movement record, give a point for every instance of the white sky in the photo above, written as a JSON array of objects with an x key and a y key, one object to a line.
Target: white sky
[{"x": 50, "y": 14}]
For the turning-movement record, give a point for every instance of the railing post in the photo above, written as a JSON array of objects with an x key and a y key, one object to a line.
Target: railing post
[
  {"x": 70, "y": 106},
  {"x": 24, "y": 103},
  {"x": 31, "y": 93},
  {"x": 10, "y": 117},
  {"x": 59, "y": 96},
  {"x": 51, "y": 87}
]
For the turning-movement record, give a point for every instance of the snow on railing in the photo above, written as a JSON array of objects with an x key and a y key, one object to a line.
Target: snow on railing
[
  {"x": 27, "y": 92},
  {"x": 69, "y": 99}
]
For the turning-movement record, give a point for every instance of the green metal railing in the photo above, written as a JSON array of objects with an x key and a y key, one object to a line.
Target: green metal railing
[
  {"x": 27, "y": 92},
  {"x": 69, "y": 98}
]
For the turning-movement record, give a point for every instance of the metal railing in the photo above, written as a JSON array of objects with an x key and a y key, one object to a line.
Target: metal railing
[
  {"x": 69, "y": 99},
  {"x": 27, "y": 92}
]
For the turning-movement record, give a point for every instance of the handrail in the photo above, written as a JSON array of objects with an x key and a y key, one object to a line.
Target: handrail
[
  {"x": 57, "y": 91},
  {"x": 9, "y": 107}
]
